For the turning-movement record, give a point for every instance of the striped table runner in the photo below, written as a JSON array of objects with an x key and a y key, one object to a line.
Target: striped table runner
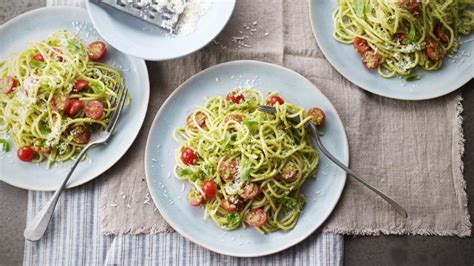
[{"x": 73, "y": 236}]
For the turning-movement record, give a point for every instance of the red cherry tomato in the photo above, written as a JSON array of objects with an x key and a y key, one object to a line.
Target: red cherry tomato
[
  {"x": 94, "y": 109},
  {"x": 233, "y": 117},
  {"x": 399, "y": 37},
  {"x": 228, "y": 169},
  {"x": 317, "y": 116},
  {"x": 209, "y": 188},
  {"x": 371, "y": 60},
  {"x": 361, "y": 45},
  {"x": 7, "y": 84},
  {"x": 256, "y": 217},
  {"x": 79, "y": 85},
  {"x": 275, "y": 99},
  {"x": 434, "y": 51},
  {"x": 195, "y": 198},
  {"x": 73, "y": 107},
  {"x": 411, "y": 5},
  {"x": 38, "y": 57},
  {"x": 251, "y": 191},
  {"x": 59, "y": 103},
  {"x": 200, "y": 120},
  {"x": 231, "y": 204},
  {"x": 97, "y": 50},
  {"x": 25, "y": 153},
  {"x": 438, "y": 32},
  {"x": 235, "y": 97},
  {"x": 80, "y": 135},
  {"x": 189, "y": 156}
]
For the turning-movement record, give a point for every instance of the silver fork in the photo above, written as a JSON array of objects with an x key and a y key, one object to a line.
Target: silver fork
[
  {"x": 37, "y": 226},
  {"x": 317, "y": 144}
]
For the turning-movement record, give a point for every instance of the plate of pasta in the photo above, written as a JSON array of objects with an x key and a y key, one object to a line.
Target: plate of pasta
[
  {"x": 236, "y": 180},
  {"x": 402, "y": 49},
  {"x": 59, "y": 84}
]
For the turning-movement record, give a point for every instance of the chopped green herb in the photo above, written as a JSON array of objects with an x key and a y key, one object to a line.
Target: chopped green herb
[
  {"x": 250, "y": 123},
  {"x": 226, "y": 142},
  {"x": 360, "y": 8},
  {"x": 244, "y": 172},
  {"x": 185, "y": 172},
  {"x": 34, "y": 63},
  {"x": 73, "y": 47},
  {"x": 410, "y": 36},
  {"x": 233, "y": 220},
  {"x": 289, "y": 202},
  {"x": 411, "y": 77},
  {"x": 5, "y": 145}
]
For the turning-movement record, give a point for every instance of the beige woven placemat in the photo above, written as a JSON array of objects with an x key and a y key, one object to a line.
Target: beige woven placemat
[{"x": 410, "y": 150}]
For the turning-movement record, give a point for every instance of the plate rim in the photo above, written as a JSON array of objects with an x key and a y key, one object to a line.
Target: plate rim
[
  {"x": 139, "y": 62},
  {"x": 332, "y": 61},
  {"x": 174, "y": 95},
  {"x": 165, "y": 58}
]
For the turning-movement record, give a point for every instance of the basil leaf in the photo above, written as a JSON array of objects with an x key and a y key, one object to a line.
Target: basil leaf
[
  {"x": 34, "y": 63},
  {"x": 226, "y": 142},
  {"x": 244, "y": 172},
  {"x": 411, "y": 77},
  {"x": 5, "y": 145},
  {"x": 250, "y": 123},
  {"x": 73, "y": 47},
  {"x": 410, "y": 36},
  {"x": 359, "y": 6},
  {"x": 185, "y": 172}
]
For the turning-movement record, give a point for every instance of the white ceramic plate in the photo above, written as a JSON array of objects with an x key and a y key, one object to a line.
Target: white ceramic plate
[
  {"x": 140, "y": 39},
  {"x": 453, "y": 74},
  {"x": 169, "y": 193},
  {"x": 36, "y": 25}
]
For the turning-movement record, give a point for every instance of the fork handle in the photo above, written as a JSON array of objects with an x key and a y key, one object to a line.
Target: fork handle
[
  {"x": 37, "y": 226},
  {"x": 317, "y": 143}
]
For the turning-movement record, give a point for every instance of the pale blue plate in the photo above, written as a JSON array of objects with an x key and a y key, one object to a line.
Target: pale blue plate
[
  {"x": 140, "y": 39},
  {"x": 169, "y": 193},
  {"x": 454, "y": 73},
  {"x": 36, "y": 25}
]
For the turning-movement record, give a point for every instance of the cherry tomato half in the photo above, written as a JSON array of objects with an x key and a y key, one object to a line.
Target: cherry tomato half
[
  {"x": 80, "y": 134},
  {"x": 361, "y": 45},
  {"x": 59, "y": 103},
  {"x": 228, "y": 169},
  {"x": 371, "y": 60},
  {"x": 275, "y": 99},
  {"x": 411, "y": 5},
  {"x": 438, "y": 32},
  {"x": 97, "y": 50},
  {"x": 233, "y": 117},
  {"x": 399, "y": 37},
  {"x": 434, "y": 51},
  {"x": 251, "y": 191},
  {"x": 7, "y": 84},
  {"x": 256, "y": 217},
  {"x": 231, "y": 204},
  {"x": 317, "y": 116},
  {"x": 38, "y": 57},
  {"x": 235, "y": 97},
  {"x": 200, "y": 119},
  {"x": 94, "y": 109},
  {"x": 209, "y": 188},
  {"x": 189, "y": 156},
  {"x": 25, "y": 153},
  {"x": 79, "y": 85},
  {"x": 195, "y": 198},
  {"x": 73, "y": 107}
]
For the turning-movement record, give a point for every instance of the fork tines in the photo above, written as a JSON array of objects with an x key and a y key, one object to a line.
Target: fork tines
[{"x": 119, "y": 106}]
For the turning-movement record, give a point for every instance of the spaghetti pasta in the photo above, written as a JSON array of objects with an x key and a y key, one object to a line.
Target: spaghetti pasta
[
  {"x": 255, "y": 163},
  {"x": 56, "y": 97},
  {"x": 396, "y": 36}
]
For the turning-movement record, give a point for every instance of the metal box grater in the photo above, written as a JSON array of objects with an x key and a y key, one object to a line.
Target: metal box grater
[{"x": 145, "y": 11}]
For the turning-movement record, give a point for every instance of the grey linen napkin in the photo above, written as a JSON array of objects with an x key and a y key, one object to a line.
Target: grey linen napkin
[{"x": 411, "y": 150}]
